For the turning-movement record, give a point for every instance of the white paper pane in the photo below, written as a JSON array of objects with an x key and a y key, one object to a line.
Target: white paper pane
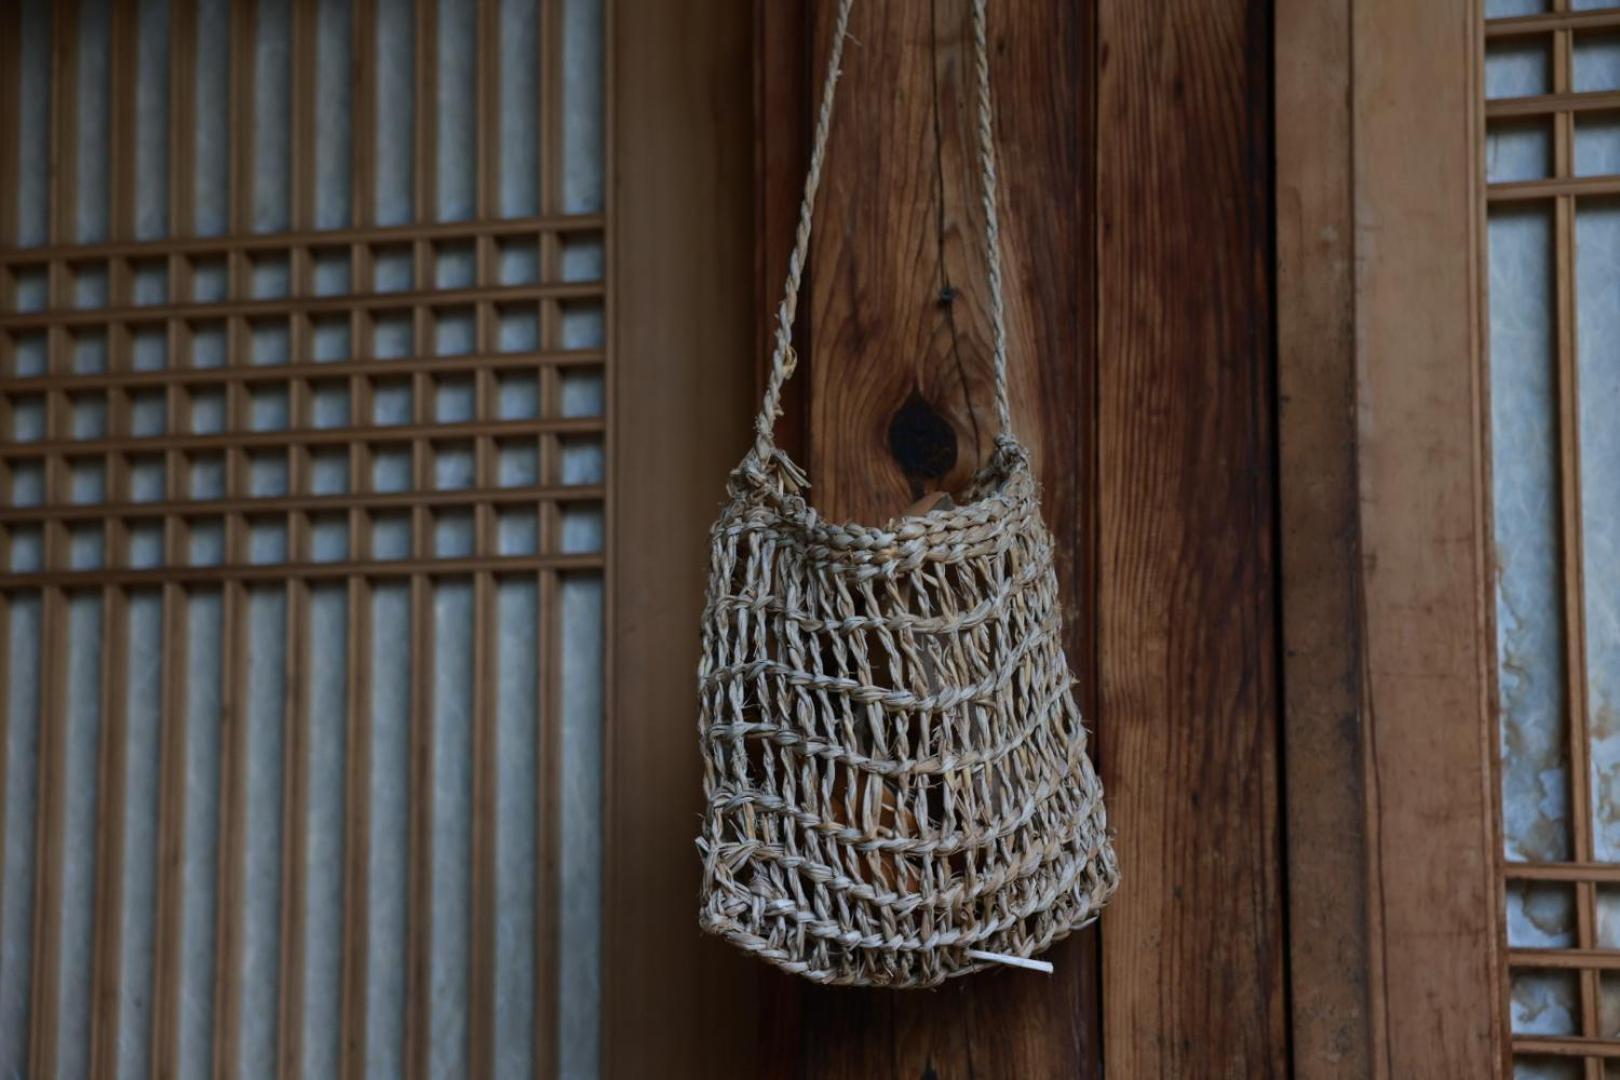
[
  {"x": 93, "y": 104},
  {"x": 143, "y": 756},
  {"x": 152, "y": 121},
  {"x": 396, "y": 72},
  {"x": 451, "y": 823},
  {"x": 517, "y": 756},
  {"x": 21, "y": 809},
  {"x": 80, "y": 796},
  {"x": 213, "y": 145},
  {"x": 334, "y": 110},
  {"x": 580, "y": 776},
  {"x": 387, "y": 857},
  {"x": 457, "y": 143},
  {"x": 1524, "y": 441},
  {"x": 1597, "y": 61},
  {"x": 1518, "y": 150},
  {"x": 1597, "y": 245},
  {"x": 326, "y": 768},
  {"x": 1502, "y": 9},
  {"x": 582, "y": 134},
  {"x": 200, "y": 867},
  {"x": 34, "y": 124},
  {"x": 520, "y": 117},
  {"x": 262, "y": 839},
  {"x": 1518, "y": 67}
]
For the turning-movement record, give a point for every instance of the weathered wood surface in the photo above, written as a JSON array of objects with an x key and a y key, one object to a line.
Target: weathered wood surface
[
  {"x": 1328, "y": 948},
  {"x": 1438, "y": 1004},
  {"x": 1193, "y": 948}
]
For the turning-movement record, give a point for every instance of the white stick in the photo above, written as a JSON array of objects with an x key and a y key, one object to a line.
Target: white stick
[{"x": 1011, "y": 961}]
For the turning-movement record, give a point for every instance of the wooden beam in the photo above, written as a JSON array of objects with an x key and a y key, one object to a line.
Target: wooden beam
[
  {"x": 683, "y": 362},
  {"x": 1439, "y": 1009},
  {"x": 1328, "y": 947},
  {"x": 1193, "y": 948}
]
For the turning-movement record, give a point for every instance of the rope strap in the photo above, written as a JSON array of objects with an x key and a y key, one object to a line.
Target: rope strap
[{"x": 783, "y": 359}]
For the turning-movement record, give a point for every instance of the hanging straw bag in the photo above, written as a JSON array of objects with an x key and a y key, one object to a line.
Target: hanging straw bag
[{"x": 896, "y": 775}]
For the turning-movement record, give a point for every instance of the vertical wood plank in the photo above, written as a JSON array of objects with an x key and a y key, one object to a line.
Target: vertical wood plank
[
  {"x": 1433, "y": 850},
  {"x": 1193, "y": 947},
  {"x": 171, "y": 825},
  {"x": 896, "y": 326},
  {"x": 111, "y": 798},
  {"x": 111, "y": 804},
  {"x": 419, "y": 906},
  {"x": 548, "y": 831},
  {"x": 170, "y": 897},
  {"x": 294, "y": 830},
  {"x": 122, "y": 32},
  {"x": 233, "y": 741},
  {"x": 548, "y": 663},
  {"x": 680, "y": 80},
  {"x": 481, "y": 907},
  {"x": 64, "y": 188},
  {"x": 1328, "y": 947},
  {"x": 42, "y": 1012},
  {"x": 357, "y": 831},
  {"x": 182, "y": 117}
]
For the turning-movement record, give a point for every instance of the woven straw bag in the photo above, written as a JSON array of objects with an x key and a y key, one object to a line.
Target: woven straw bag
[{"x": 896, "y": 775}]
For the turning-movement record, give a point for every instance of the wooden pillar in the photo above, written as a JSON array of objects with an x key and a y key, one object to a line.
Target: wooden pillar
[
  {"x": 1193, "y": 948},
  {"x": 894, "y": 399}
]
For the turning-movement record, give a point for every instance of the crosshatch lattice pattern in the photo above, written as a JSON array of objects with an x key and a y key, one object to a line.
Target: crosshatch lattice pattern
[
  {"x": 304, "y": 445},
  {"x": 312, "y": 406},
  {"x": 1552, "y": 166}
]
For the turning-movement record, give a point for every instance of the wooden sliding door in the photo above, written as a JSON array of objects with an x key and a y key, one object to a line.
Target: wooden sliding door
[{"x": 305, "y": 386}]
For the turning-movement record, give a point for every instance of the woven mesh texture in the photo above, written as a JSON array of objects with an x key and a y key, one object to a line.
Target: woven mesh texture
[{"x": 894, "y": 765}]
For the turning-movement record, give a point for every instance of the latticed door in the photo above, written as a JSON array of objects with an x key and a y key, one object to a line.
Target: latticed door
[{"x": 303, "y": 449}]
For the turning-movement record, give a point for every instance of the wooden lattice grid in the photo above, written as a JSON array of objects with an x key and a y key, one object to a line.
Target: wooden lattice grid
[
  {"x": 352, "y": 408},
  {"x": 1556, "y": 115}
]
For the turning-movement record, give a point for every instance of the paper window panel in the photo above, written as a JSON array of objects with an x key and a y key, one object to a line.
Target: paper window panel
[
  {"x": 304, "y": 444},
  {"x": 1552, "y": 179}
]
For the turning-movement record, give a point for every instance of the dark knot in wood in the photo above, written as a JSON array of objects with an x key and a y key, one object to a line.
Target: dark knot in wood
[{"x": 922, "y": 441}]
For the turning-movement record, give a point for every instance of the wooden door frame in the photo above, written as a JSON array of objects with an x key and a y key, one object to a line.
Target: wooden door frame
[{"x": 1395, "y": 965}]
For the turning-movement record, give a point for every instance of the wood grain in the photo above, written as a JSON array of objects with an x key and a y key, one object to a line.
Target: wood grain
[
  {"x": 1438, "y": 1001},
  {"x": 681, "y": 254},
  {"x": 1319, "y": 550},
  {"x": 1193, "y": 946},
  {"x": 895, "y": 363}
]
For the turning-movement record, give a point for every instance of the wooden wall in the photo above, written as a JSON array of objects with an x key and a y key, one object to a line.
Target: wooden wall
[{"x": 1193, "y": 952}]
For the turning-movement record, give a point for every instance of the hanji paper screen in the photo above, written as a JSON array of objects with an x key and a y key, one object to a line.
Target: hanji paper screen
[
  {"x": 302, "y": 458},
  {"x": 1552, "y": 84}
]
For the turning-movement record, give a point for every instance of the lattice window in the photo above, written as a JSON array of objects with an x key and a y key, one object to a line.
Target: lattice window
[
  {"x": 1552, "y": 83},
  {"x": 303, "y": 453}
]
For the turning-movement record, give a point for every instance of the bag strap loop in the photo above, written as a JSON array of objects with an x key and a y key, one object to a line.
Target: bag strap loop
[{"x": 783, "y": 359}]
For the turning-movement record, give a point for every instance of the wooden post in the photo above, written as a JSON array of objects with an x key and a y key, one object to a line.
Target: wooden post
[
  {"x": 896, "y": 382},
  {"x": 1193, "y": 948}
]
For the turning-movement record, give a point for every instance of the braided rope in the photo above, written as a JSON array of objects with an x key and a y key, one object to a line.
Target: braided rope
[{"x": 783, "y": 360}]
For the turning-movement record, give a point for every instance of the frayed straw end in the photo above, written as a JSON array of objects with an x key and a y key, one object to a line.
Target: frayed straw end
[{"x": 1011, "y": 961}]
